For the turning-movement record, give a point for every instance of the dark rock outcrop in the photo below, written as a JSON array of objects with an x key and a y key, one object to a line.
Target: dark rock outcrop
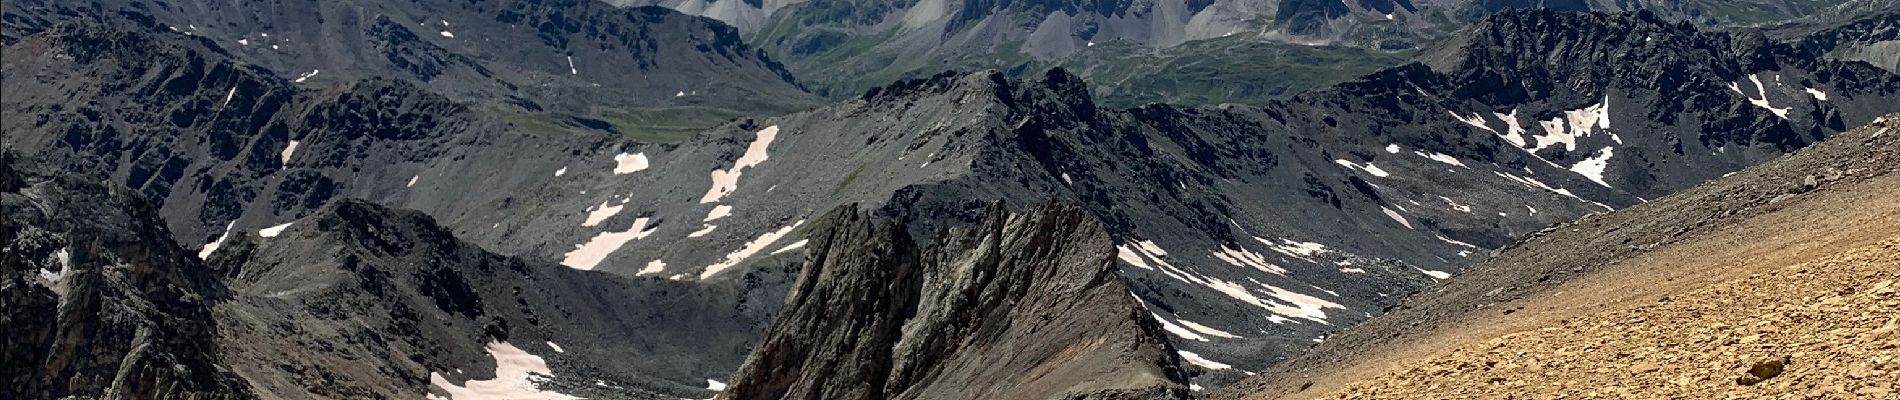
[
  {"x": 98, "y": 301},
  {"x": 1022, "y": 306}
]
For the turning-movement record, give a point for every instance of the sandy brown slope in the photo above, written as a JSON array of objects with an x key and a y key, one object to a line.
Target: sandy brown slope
[{"x": 1666, "y": 299}]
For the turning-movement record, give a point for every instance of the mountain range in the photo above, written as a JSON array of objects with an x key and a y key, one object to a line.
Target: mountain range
[{"x": 437, "y": 217}]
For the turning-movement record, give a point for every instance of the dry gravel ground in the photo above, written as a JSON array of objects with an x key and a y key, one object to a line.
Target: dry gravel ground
[
  {"x": 1797, "y": 261},
  {"x": 1835, "y": 320}
]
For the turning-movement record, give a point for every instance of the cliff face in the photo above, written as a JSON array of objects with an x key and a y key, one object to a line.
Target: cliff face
[
  {"x": 1021, "y": 305},
  {"x": 99, "y": 303}
]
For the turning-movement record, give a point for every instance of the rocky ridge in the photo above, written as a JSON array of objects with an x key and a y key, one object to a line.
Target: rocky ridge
[
  {"x": 1025, "y": 305},
  {"x": 100, "y": 302},
  {"x": 568, "y": 57}
]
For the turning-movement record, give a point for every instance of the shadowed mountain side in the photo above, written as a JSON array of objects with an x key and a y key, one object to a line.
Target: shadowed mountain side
[{"x": 1019, "y": 306}]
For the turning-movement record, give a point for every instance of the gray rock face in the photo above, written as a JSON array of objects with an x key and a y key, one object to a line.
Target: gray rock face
[
  {"x": 98, "y": 302},
  {"x": 1020, "y": 306}
]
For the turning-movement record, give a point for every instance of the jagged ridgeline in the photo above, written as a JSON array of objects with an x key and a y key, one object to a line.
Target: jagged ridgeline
[
  {"x": 354, "y": 301},
  {"x": 1249, "y": 232},
  {"x": 545, "y": 65},
  {"x": 1017, "y": 306}
]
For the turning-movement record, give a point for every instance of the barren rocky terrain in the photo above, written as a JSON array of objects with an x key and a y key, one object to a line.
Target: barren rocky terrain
[{"x": 1794, "y": 260}]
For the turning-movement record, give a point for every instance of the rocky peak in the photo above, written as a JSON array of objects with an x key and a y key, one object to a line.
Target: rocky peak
[
  {"x": 1024, "y": 305},
  {"x": 100, "y": 303}
]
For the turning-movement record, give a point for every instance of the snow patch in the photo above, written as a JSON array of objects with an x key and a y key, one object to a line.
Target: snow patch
[
  {"x": 724, "y": 182},
  {"x": 516, "y": 375},
  {"x": 308, "y": 75},
  {"x": 570, "y": 66},
  {"x": 1196, "y": 359},
  {"x": 64, "y": 257},
  {"x": 1207, "y": 330},
  {"x": 227, "y": 96},
  {"x": 412, "y": 181},
  {"x": 703, "y": 230},
  {"x": 630, "y": 163},
  {"x": 556, "y": 347},
  {"x": 1573, "y": 124},
  {"x": 1434, "y": 274},
  {"x": 653, "y": 267},
  {"x": 1292, "y": 248},
  {"x": 1817, "y": 93},
  {"x": 600, "y": 213},
  {"x": 448, "y": 34},
  {"x": 1392, "y": 148},
  {"x": 794, "y": 246},
  {"x": 1129, "y": 256},
  {"x": 1455, "y": 205},
  {"x": 588, "y": 255},
  {"x": 284, "y": 157},
  {"x": 273, "y": 231},
  {"x": 750, "y": 248},
  {"x": 1177, "y": 330},
  {"x": 1593, "y": 167},
  {"x": 1352, "y": 270},
  {"x": 1536, "y": 184},
  {"x": 1241, "y": 257},
  {"x": 1474, "y": 120},
  {"x": 559, "y": 172},
  {"x": 1758, "y": 102},
  {"x": 1368, "y": 168},
  {"x": 213, "y": 246},
  {"x": 716, "y": 386},
  {"x": 1514, "y": 132},
  {"x": 1394, "y": 215},
  {"x": 720, "y": 211}
]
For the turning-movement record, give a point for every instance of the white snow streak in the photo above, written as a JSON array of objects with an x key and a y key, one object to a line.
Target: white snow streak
[
  {"x": 724, "y": 182},
  {"x": 1368, "y": 168},
  {"x": 559, "y": 172},
  {"x": 1207, "y": 330},
  {"x": 1394, "y": 215},
  {"x": 794, "y": 246},
  {"x": 273, "y": 231},
  {"x": 1241, "y": 257},
  {"x": 1196, "y": 359},
  {"x": 301, "y": 78},
  {"x": 600, "y": 213},
  {"x": 570, "y": 66},
  {"x": 1759, "y": 102},
  {"x": 1474, "y": 120},
  {"x": 1817, "y": 93},
  {"x": 588, "y": 255},
  {"x": 284, "y": 157},
  {"x": 556, "y": 347},
  {"x": 716, "y": 386},
  {"x": 213, "y": 246},
  {"x": 750, "y": 248}
]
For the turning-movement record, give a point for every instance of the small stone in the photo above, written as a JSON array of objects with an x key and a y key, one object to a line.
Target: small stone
[
  {"x": 1645, "y": 367},
  {"x": 1763, "y": 370}
]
